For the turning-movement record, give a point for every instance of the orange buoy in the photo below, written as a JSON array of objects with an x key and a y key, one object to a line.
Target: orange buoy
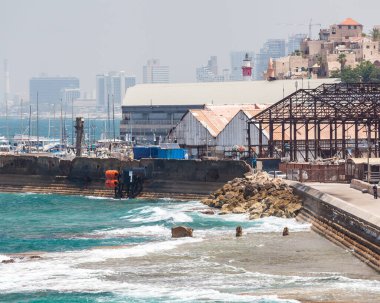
[
  {"x": 112, "y": 174},
  {"x": 111, "y": 183}
]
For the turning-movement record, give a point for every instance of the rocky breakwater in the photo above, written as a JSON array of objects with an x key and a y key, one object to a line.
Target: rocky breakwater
[{"x": 257, "y": 194}]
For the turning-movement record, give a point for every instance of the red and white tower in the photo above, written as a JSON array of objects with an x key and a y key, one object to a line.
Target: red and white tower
[{"x": 247, "y": 68}]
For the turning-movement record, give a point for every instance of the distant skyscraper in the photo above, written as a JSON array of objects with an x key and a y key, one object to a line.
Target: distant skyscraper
[
  {"x": 294, "y": 42},
  {"x": 236, "y": 63},
  {"x": 209, "y": 73},
  {"x": 153, "y": 72},
  {"x": 50, "y": 89},
  {"x": 112, "y": 86},
  {"x": 273, "y": 48},
  {"x": 70, "y": 94}
]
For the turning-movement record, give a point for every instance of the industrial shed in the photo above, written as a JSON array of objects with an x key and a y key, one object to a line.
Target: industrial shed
[
  {"x": 219, "y": 131},
  {"x": 331, "y": 120}
]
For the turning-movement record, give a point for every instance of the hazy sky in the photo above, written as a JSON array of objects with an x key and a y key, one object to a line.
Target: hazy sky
[{"x": 85, "y": 37}]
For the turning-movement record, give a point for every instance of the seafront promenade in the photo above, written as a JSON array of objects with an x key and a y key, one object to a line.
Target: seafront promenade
[
  {"x": 362, "y": 205},
  {"x": 344, "y": 215}
]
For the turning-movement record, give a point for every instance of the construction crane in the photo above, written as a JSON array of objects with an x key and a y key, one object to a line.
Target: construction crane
[{"x": 310, "y": 25}]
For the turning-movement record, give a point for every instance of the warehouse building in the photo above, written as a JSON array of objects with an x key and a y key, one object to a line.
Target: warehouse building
[
  {"x": 150, "y": 111},
  {"x": 217, "y": 130}
]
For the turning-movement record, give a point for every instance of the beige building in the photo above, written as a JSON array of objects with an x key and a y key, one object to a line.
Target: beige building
[
  {"x": 291, "y": 67},
  {"x": 321, "y": 57},
  {"x": 345, "y": 30}
]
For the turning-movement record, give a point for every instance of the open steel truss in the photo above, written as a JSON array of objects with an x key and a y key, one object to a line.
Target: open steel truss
[{"x": 322, "y": 122}]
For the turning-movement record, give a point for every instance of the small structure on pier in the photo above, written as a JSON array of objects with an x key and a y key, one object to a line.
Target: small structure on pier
[{"x": 333, "y": 119}]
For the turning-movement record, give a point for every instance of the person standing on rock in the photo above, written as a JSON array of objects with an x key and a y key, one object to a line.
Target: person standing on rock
[{"x": 375, "y": 191}]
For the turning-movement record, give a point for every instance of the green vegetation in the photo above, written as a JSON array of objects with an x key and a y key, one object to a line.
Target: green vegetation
[
  {"x": 365, "y": 72},
  {"x": 375, "y": 34},
  {"x": 342, "y": 60}
]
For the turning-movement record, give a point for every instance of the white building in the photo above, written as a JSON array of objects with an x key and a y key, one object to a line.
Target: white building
[
  {"x": 111, "y": 87},
  {"x": 153, "y": 72},
  {"x": 216, "y": 130}
]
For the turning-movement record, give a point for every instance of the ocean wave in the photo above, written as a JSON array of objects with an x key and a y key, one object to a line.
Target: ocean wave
[
  {"x": 4, "y": 258},
  {"x": 157, "y": 214},
  {"x": 147, "y": 230},
  {"x": 275, "y": 224}
]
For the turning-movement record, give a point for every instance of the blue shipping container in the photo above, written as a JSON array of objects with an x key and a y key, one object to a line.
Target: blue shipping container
[
  {"x": 177, "y": 153},
  {"x": 140, "y": 152}
]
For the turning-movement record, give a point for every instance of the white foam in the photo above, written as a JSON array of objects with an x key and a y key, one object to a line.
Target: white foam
[
  {"x": 153, "y": 230},
  {"x": 4, "y": 258},
  {"x": 156, "y": 214},
  {"x": 275, "y": 224}
]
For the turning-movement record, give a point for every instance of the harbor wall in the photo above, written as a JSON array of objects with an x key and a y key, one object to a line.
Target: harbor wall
[
  {"x": 163, "y": 175},
  {"x": 348, "y": 227}
]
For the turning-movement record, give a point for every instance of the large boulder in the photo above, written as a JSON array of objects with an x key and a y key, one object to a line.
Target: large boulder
[{"x": 182, "y": 231}]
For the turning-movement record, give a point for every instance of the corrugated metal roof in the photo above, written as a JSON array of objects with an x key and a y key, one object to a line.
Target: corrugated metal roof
[
  {"x": 217, "y": 93},
  {"x": 215, "y": 118},
  {"x": 325, "y": 133}
]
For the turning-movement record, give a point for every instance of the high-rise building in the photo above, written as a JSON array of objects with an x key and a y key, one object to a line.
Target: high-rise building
[
  {"x": 153, "y": 72},
  {"x": 209, "y": 73},
  {"x": 70, "y": 94},
  {"x": 112, "y": 87},
  {"x": 273, "y": 48},
  {"x": 294, "y": 42},
  {"x": 50, "y": 89}
]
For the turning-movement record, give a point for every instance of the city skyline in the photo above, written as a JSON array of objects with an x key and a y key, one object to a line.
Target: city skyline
[{"x": 98, "y": 36}]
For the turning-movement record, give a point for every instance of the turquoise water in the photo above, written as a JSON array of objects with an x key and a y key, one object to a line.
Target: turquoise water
[
  {"x": 35, "y": 222},
  {"x": 104, "y": 250},
  {"x": 14, "y": 126}
]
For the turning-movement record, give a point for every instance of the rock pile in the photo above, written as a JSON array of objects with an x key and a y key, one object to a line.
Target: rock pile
[{"x": 258, "y": 194}]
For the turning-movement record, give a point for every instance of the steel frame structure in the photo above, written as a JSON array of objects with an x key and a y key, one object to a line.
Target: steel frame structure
[{"x": 330, "y": 108}]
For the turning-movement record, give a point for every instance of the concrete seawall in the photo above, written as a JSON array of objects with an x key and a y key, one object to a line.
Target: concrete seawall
[
  {"x": 82, "y": 175},
  {"x": 342, "y": 223}
]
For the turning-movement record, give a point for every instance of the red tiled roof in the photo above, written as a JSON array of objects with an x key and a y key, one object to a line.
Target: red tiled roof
[{"x": 349, "y": 21}]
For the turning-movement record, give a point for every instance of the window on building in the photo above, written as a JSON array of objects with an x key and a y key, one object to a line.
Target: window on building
[
  {"x": 340, "y": 26},
  {"x": 355, "y": 27},
  {"x": 349, "y": 27},
  {"x": 367, "y": 46}
]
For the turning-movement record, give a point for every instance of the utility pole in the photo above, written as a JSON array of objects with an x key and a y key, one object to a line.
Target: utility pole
[{"x": 79, "y": 128}]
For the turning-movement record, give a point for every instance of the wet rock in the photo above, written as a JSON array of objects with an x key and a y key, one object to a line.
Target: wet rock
[
  {"x": 239, "y": 231},
  {"x": 8, "y": 261},
  {"x": 182, "y": 231},
  {"x": 35, "y": 257},
  {"x": 285, "y": 232},
  {"x": 257, "y": 194},
  {"x": 208, "y": 212}
]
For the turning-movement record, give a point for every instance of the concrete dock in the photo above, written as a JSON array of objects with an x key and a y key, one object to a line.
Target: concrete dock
[
  {"x": 352, "y": 200},
  {"x": 344, "y": 215}
]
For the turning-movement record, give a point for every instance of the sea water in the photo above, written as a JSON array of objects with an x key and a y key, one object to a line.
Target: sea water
[{"x": 89, "y": 249}]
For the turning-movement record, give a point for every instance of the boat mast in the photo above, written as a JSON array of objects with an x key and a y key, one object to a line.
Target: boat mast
[
  {"x": 38, "y": 135},
  {"x": 113, "y": 116},
  {"x": 21, "y": 120},
  {"x": 72, "y": 121},
  {"x": 30, "y": 124},
  {"x": 108, "y": 116},
  {"x": 61, "y": 131}
]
